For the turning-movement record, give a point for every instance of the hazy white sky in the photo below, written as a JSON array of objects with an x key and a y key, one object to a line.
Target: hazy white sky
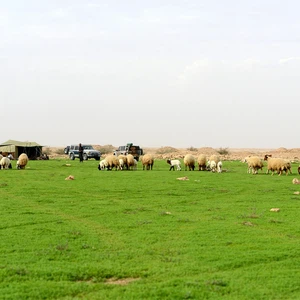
[{"x": 181, "y": 73}]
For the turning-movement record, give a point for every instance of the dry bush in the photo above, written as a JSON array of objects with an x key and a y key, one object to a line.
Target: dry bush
[
  {"x": 223, "y": 151},
  {"x": 192, "y": 149}
]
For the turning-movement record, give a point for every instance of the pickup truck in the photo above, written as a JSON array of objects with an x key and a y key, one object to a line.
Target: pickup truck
[{"x": 136, "y": 151}]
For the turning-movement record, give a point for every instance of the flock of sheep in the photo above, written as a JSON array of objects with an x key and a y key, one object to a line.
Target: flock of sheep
[
  {"x": 213, "y": 164},
  {"x": 278, "y": 165},
  {"x": 5, "y": 162},
  {"x": 127, "y": 162}
]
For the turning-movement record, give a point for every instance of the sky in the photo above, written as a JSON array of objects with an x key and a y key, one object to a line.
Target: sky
[{"x": 180, "y": 73}]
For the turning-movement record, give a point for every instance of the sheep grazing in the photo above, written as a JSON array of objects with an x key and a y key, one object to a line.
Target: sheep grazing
[
  {"x": 112, "y": 162},
  {"x": 22, "y": 161},
  {"x": 102, "y": 165},
  {"x": 147, "y": 162},
  {"x": 213, "y": 163},
  {"x": 189, "y": 162},
  {"x": 174, "y": 163},
  {"x": 202, "y": 162},
  {"x": 254, "y": 164},
  {"x": 277, "y": 164},
  {"x": 5, "y": 163},
  {"x": 219, "y": 167},
  {"x": 130, "y": 162},
  {"x": 121, "y": 163},
  {"x": 124, "y": 158}
]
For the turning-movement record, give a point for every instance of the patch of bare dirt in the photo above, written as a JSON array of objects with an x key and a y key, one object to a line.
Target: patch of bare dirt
[{"x": 123, "y": 281}]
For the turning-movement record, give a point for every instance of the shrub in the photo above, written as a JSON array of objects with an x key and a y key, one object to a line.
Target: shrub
[
  {"x": 223, "y": 151},
  {"x": 192, "y": 149}
]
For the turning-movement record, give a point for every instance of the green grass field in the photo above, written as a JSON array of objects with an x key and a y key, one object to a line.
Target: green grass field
[{"x": 146, "y": 235}]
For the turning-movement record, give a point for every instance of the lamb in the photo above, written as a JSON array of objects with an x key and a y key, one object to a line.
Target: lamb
[
  {"x": 147, "y": 162},
  {"x": 277, "y": 164},
  {"x": 5, "y": 163},
  {"x": 202, "y": 162},
  {"x": 174, "y": 163},
  {"x": 189, "y": 162},
  {"x": 254, "y": 164},
  {"x": 22, "y": 161}
]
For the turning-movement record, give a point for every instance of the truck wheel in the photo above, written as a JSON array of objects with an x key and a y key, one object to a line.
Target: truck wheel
[
  {"x": 85, "y": 157},
  {"x": 72, "y": 156}
]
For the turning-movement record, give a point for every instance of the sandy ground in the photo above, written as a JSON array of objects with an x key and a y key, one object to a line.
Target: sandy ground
[{"x": 171, "y": 152}]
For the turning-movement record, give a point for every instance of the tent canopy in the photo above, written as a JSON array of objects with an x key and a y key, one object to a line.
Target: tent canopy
[{"x": 32, "y": 149}]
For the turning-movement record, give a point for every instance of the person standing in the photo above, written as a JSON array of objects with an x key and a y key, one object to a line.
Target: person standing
[{"x": 80, "y": 153}]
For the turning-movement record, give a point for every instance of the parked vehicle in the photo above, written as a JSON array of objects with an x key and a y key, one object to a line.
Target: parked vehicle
[
  {"x": 136, "y": 151},
  {"x": 88, "y": 152}
]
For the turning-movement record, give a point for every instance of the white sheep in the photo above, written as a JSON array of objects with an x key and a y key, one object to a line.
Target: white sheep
[
  {"x": 147, "y": 162},
  {"x": 212, "y": 163},
  {"x": 254, "y": 164},
  {"x": 174, "y": 163},
  {"x": 219, "y": 167},
  {"x": 22, "y": 161},
  {"x": 201, "y": 162},
  {"x": 5, "y": 163},
  {"x": 189, "y": 162},
  {"x": 103, "y": 165}
]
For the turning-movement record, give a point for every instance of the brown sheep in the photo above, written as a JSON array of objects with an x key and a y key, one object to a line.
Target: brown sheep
[{"x": 147, "y": 161}]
